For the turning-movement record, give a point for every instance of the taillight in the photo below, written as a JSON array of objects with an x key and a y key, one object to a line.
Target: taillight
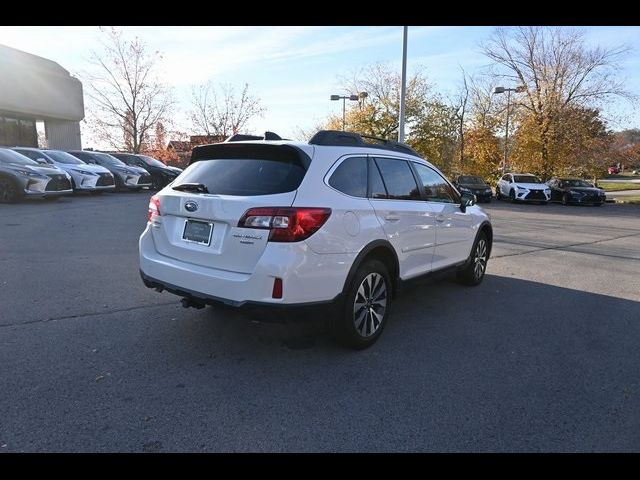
[
  {"x": 154, "y": 208},
  {"x": 286, "y": 224}
]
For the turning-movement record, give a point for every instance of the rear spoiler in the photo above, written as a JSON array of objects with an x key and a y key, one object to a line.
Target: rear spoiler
[{"x": 283, "y": 153}]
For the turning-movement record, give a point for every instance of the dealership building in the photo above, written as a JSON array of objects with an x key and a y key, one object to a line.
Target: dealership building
[{"x": 34, "y": 89}]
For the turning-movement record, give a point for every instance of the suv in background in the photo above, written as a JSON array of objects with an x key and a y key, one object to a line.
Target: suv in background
[
  {"x": 84, "y": 177},
  {"x": 22, "y": 177},
  {"x": 522, "y": 187},
  {"x": 125, "y": 176},
  {"x": 475, "y": 185},
  {"x": 161, "y": 175},
  {"x": 272, "y": 223}
]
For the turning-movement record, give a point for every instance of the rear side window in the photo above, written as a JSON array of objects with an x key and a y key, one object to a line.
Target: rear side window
[
  {"x": 398, "y": 178},
  {"x": 377, "y": 185},
  {"x": 351, "y": 177},
  {"x": 245, "y": 176}
]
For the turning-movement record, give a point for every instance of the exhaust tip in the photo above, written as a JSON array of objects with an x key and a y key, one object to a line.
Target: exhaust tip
[{"x": 189, "y": 302}]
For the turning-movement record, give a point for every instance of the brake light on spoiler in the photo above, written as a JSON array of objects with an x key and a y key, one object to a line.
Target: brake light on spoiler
[{"x": 286, "y": 224}]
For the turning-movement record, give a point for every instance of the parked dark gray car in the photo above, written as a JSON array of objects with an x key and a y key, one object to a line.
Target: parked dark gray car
[{"x": 22, "y": 177}]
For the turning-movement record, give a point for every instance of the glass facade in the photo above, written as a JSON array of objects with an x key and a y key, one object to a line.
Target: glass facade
[{"x": 18, "y": 132}]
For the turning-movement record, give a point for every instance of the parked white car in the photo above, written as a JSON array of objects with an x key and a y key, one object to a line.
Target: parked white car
[
  {"x": 334, "y": 221},
  {"x": 523, "y": 187}
]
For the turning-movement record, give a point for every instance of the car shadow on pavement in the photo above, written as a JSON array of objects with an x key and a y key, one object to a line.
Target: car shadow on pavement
[{"x": 501, "y": 305}]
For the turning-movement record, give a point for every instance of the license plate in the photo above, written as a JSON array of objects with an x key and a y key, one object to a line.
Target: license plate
[{"x": 197, "y": 232}]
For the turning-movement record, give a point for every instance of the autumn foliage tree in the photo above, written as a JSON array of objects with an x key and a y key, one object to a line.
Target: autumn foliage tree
[{"x": 561, "y": 76}]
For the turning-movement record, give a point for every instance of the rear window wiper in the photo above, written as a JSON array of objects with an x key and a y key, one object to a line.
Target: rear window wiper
[{"x": 192, "y": 187}]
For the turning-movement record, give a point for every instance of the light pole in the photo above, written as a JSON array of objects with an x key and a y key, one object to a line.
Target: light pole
[
  {"x": 344, "y": 98},
  {"x": 403, "y": 87},
  {"x": 518, "y": 89}
]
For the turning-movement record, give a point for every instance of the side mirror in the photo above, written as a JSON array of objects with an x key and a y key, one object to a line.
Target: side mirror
[
  {"x": 42, "y": 161},
  {"x": 467, "y": 200}
]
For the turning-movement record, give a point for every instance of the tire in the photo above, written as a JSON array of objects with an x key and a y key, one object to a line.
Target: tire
[
  {"x": 473, "y": 273},
  {"x": 498, "y": 194},
  {"x": 512, "y": 196},
  {"x": 9, "y": 193},
  {"x": 565, "y": 199},
  {"x": 356, "y": 325}
]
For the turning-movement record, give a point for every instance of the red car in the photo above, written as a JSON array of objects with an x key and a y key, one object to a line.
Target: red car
[{"x": 613, "y": 170}]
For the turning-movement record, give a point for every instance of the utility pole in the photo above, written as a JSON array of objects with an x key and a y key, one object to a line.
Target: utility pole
[{"x": 403, "y": 88}]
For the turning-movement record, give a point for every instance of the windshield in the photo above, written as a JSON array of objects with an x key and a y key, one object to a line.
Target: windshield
[
  {"x": 473, "y": 180},
  {"x": 152, "y": 161},
  {"x": 64, "y": 157},
  {"x": 575, "y": 183},
  {"x": 9, "y": 156},
  {"x": 106, "y": 159},
  {"x": 526, "y": 179}
]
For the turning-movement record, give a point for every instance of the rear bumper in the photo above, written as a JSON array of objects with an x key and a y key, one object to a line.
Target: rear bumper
[
  {"x": 272, "y": 310},
  {"x": 308, "y": 278}
]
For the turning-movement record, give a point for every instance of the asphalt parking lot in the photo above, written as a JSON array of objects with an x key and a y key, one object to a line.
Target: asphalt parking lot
[{"x": 543, "y": 356}]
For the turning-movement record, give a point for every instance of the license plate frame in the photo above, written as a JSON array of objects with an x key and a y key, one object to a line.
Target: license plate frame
[{"x": 199, "y": 239}]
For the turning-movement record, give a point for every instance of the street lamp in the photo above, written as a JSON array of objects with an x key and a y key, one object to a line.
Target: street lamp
[
  {"x": 518, "y": 89},
  {"x": 344, "y": 98}
]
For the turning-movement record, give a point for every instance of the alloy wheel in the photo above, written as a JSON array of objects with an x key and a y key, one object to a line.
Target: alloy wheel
[
  {"x": 480, "y": 258},
  {"x": 370, "y": 304}
]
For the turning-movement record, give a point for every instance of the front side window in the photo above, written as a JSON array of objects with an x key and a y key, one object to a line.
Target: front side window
[
  {"x": 436, "y": 188},
  {"x": 351, "y": 177},
  {"x": 398, "y": 178}
]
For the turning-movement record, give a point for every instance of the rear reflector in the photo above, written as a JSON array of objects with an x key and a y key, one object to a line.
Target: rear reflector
[
  {"x": 286, "y": 224},
  {"x": 277, "y": 288}
]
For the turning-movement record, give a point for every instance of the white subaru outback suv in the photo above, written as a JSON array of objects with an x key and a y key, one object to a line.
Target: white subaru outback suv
[{"x": 261, "y": 221}]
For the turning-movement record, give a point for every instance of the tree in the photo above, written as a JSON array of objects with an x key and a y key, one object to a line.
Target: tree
[
  {"x": 157, "y": 146},
  {"x": 224, "y": 114},
  {"x": 127, "y": 97},
  {"x": 578, "y": 143},
  {"x": 559, "y": 72},
  {"x": 377, "y": 115}
]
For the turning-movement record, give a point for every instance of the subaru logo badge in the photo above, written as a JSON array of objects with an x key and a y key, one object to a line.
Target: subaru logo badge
[{"x": 191, "y": 206}]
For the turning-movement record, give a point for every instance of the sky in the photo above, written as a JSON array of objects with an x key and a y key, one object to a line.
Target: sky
[{"x": 294, "y": 70}]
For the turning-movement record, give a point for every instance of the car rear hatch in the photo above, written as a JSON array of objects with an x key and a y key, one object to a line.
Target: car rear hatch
[{"x": 199, "y": 213}]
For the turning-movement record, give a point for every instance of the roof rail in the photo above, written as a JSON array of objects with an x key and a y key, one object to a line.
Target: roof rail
[
  {"x": 239, "y": 137},
  {"x": 339, "y": 138}
]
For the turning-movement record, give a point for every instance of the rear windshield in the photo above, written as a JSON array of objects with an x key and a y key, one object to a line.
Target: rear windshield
[{"x": 245, "y": 176}]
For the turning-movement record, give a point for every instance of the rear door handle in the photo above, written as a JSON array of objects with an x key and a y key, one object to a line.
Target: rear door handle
[{"x": 392, "y": 217}]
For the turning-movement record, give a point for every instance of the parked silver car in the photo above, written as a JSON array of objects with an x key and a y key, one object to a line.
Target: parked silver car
[
  {"x": 126, "y": 177},
  {"x": 20, "y": 176},
  {"x": 84, "y": 177}
]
